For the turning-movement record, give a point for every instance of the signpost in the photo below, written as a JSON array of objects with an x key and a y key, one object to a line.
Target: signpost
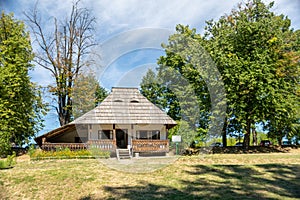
[{"x": 176, "y": 139}]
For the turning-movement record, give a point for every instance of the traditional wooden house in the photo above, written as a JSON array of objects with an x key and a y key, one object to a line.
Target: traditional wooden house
[{"x": 124, "y": 119}]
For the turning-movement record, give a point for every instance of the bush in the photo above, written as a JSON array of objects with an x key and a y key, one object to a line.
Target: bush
[
  {"x": 66, "y": 153},
  {"x": 9, "y": 162}
]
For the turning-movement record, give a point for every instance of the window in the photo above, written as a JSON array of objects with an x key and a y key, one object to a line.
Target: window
[
  {"x": 118, "y": 100},
  {"x": 104, "y": 134},
  {"x": 134, "y": 101},
  {"x": 148, "y": 134},
  {"x": 155, "y": 135},
  {"x": 143, "y": 135}
]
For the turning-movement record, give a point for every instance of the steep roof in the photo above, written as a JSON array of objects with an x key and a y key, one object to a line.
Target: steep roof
[{"x": 125, "y": 106}]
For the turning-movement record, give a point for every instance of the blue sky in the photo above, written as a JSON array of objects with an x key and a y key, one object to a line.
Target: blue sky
[{"x": 132, "y": 30}]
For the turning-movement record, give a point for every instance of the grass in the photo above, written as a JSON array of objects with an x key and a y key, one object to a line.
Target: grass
[{"x": 217, "y": 176}]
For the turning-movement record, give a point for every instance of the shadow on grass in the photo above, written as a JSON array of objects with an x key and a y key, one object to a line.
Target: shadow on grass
[
  {"x": 270, "y": 181},
  {"x": 148, "y": 191}
]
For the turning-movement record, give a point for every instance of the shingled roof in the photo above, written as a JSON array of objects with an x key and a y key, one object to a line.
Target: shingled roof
[{"x": 125, "y": 106}]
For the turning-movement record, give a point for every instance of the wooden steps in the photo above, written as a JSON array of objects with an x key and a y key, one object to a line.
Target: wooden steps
[{"x": 123, "y": 154}]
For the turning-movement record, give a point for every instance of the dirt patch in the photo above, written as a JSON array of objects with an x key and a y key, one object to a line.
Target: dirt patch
[
  {"x": 139, "y": 165},
  {"x": 23, "y": 158}
]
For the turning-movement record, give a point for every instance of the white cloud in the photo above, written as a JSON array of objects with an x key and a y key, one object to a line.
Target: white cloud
[
  {"x": 119, "y": 17},
  {"x": 119, "y": 20}
]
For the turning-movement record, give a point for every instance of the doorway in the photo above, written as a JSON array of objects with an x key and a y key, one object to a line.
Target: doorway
[{"x": 122, "y": 138}]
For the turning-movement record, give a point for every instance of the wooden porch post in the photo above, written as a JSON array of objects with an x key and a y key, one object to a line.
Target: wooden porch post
[
  {"x": 90, "y": 131},
  {"x": 114, "y": 133},
  {"x": 167, "y": 131}
]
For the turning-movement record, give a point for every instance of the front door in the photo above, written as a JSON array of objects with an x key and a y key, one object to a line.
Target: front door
[{"x": 122, "y": 138}]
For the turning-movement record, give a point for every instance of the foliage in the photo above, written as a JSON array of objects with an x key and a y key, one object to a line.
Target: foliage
[
  {"x": 257, "y": 55},
  {"x": 172, "y": 93},
  {"x": 66, "y": 153},
  {"x": 9, "y": 162},
  {"x": 21, "y": 107},
  {"x": 187, "y": 134},
  {"x": 154, "y": 90},
  {"x": 191, "y": 79},
  {"x": 250, "y": 46},
  {"x": 64, "y": 53},
  {"x": 87, "y": 93}
]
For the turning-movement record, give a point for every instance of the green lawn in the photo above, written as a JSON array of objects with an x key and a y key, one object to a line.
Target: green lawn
[{"x": 218, "y": 176}]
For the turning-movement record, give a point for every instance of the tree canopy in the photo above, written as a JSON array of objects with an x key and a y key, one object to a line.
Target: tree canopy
[
  {"x": 87, "y": 93},
  {"x": 21, "y": 107},
  {"x": 256, "y": 54}
]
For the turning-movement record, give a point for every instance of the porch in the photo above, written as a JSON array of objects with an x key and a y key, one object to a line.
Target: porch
[
  {"x": 138, "y": 145},
  {"x": 105, "y": 144},
  {"x": 153, "y": 146}
]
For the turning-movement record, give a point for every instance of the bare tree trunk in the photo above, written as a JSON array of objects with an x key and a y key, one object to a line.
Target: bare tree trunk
[{"x": 64, "y": 54}]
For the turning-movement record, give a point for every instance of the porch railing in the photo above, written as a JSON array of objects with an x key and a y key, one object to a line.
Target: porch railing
[
  {"x": 104, "y": 144},
  {"x": 109, "y": 145},
  {"x": 150, "y": 145}
]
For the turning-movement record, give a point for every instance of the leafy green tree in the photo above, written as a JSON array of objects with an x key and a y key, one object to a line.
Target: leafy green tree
[
  {"x": 100, "y": 94},
  {"x": 21, "y": 107},
  {"x": 250, "y": 46},
  {"x": 187, "y": 134},
  {"x": 257, "y": 55},
  {"x": 172, "y": 93},
  {"x": 194, "y": 79},
  {"x": 285, "y": 120},
  {"x": 154, "y": 89},
  {"x": 87, "y": 93}
]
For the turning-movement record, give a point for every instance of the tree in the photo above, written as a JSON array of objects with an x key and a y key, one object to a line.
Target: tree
[
  {"x": 173, "y": 94},
  {"x": 285, "y": 120},
  {"x": 87, "y": 93},
  {"x": 21, "y": 108},
  {"x": 189, "y": 71},
  {"x": 64, "y": 53},
  {"x": 155, "y": 90},
  {"x": 187, "y": 134},
  {"x": 250, "y": 46},
  {"x": 257, "y": 55}
]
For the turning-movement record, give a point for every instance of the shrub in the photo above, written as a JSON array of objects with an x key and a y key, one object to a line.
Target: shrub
[
  {"x": 9, "y": 162},
  {"x": 60, "y": 153}
]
